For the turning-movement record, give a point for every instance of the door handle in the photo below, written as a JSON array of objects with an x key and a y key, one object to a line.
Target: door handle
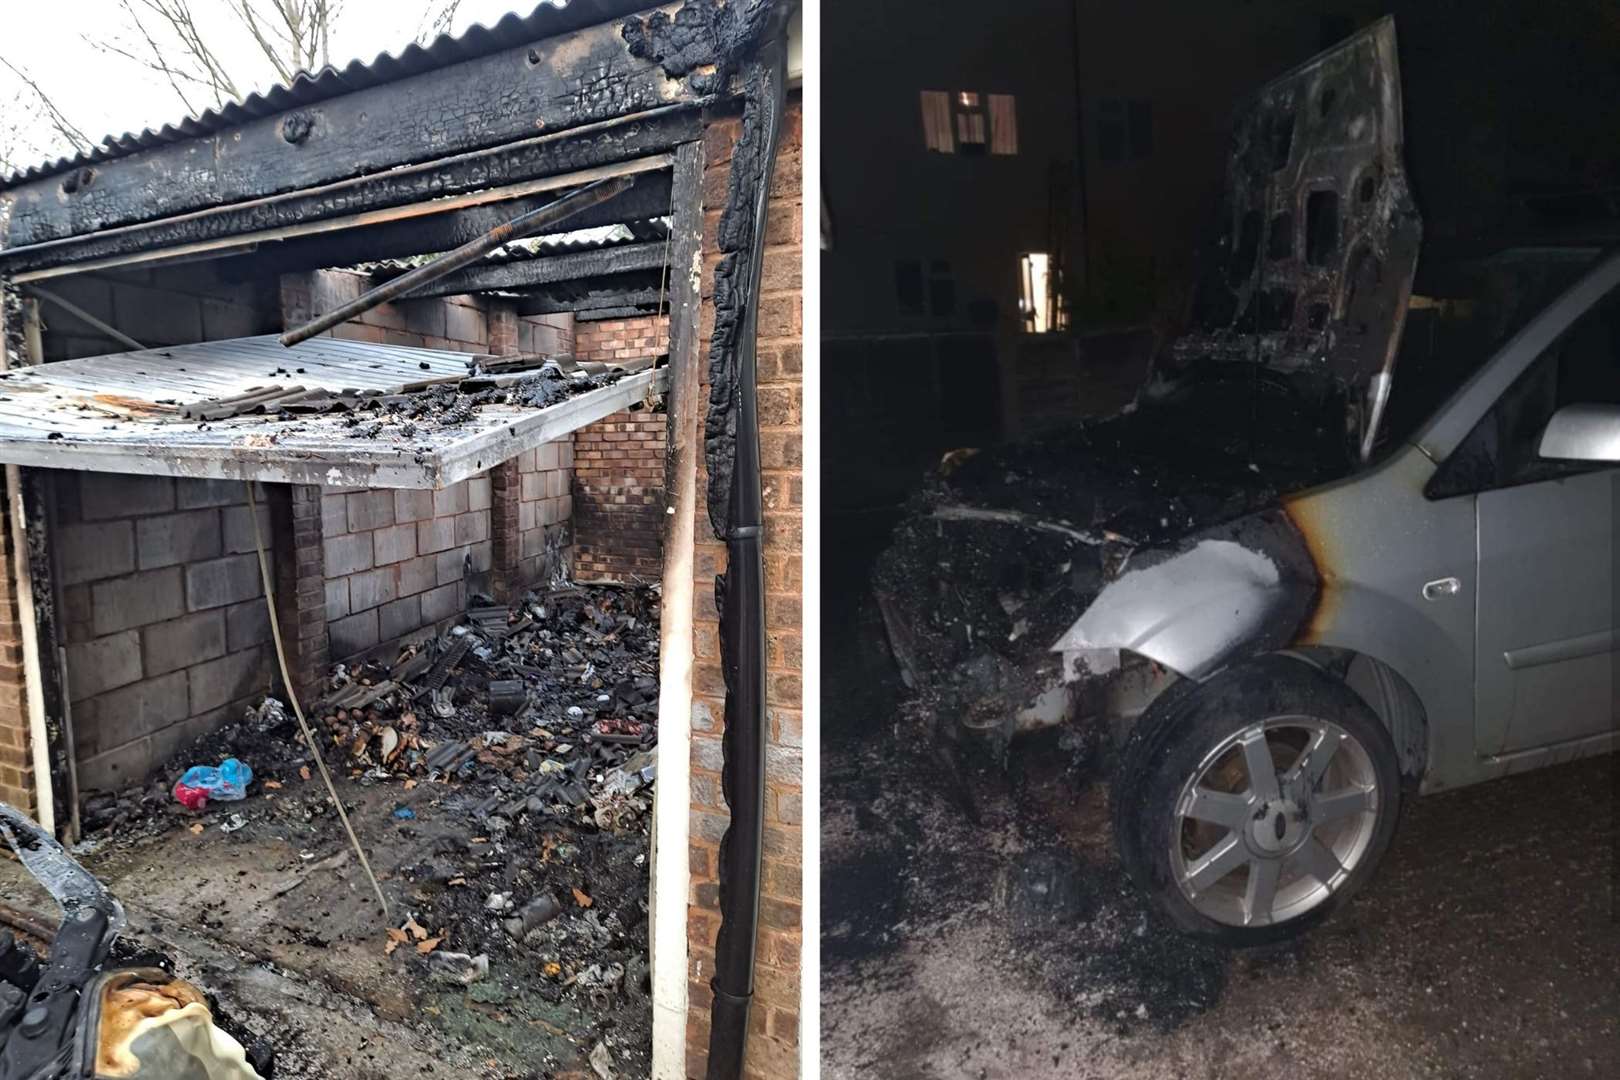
[{"x": 1446, "y": 586}]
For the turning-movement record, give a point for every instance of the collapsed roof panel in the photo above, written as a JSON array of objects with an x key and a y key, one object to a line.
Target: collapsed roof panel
[{"x": 327, "y": 411}]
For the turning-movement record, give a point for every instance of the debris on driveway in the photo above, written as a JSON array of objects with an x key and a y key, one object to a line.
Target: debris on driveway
[
  {"x": 500, "y": 776},
  {"x": 228, "y": 783}
]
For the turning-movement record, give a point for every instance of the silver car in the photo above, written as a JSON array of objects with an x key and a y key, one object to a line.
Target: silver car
[{"x": 1353, "y": 541}]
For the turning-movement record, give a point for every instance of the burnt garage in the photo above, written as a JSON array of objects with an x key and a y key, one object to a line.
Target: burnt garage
[
  {"x": 1197, "y": 478},
  {"x": 392, "y": 452}
]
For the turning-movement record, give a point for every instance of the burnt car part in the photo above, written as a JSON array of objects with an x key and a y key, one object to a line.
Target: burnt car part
[
  {"x": 737, "y": 514},
  {"x": 72, "y": 1019},
  {"x": 1317, "y": 239}
]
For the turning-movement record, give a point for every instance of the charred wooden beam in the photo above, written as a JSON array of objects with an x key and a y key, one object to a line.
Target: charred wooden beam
[
  {"x": 441, "y": 232},
  {"x": 598, "y": 314},
  {"x": 445, "y": 265},
  {"x": 551, "y": 85},
  {"x": 548, "y": 270},
  {"x": 643, "y": 300},
  {"x": 464, "y": 176}
]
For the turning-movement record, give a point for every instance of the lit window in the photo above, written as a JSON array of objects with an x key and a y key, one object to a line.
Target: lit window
[
  {"x": 936, "y": 117},
  {"x": 969, "y": 123},
  {"x": 1040, "y": 308},
  {"x": 1003, "y": 124}
]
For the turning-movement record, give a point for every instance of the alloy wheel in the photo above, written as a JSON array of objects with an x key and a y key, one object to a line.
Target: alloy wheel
[{"x": 1273, "y": 821}]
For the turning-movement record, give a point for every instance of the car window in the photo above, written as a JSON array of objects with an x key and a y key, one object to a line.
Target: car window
[
  {"x": 1581, "y": 367},
  {"x": 1460, "y": 313}
]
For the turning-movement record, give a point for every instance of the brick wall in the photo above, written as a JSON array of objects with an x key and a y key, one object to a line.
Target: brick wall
[
  {"x": 619, "y": 497},
  {"x": 774, "y": 1022},
  {"x": 16, "y": 760},
  {"x": 163, "y": 616},
  {"x": 619, "y": 464},
  {"x": 621, "y": 339}
]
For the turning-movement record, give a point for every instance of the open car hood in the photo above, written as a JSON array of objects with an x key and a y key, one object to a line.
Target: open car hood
[{"x": 1311, "y": 261}]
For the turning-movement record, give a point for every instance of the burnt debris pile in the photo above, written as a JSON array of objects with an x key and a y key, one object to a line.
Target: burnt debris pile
[
  {"x": 500, "y": 774},
  {"x": 434, "y": 402},
  {"x": 1003, "y": 550}
]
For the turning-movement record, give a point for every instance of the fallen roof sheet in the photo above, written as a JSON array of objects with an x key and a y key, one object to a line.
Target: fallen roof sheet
[
  {"x": 124, "y": 412},
  {"x": 548, "y": 19}
]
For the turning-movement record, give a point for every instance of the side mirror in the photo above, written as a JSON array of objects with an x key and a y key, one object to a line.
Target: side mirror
[{"x": 1583, "y": 433}]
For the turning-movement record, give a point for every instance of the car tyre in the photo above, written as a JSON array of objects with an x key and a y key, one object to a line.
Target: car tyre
[{"x": 1229, "y": 854}]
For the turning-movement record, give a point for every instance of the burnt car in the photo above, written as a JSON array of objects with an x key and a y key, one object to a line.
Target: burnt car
[
  {"x": 1352, "y": 541},
  {"x": 82, "y": 1014}
]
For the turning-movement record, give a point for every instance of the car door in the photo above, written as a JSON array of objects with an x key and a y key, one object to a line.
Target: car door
[{"x": 1546, "y": 613}]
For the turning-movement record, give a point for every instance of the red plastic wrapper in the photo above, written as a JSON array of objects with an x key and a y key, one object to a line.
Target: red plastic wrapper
[{"x": 192, "y": 798}]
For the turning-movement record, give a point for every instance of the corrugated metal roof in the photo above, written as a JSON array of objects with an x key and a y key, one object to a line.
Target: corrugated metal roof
[
  {"x": 538, "y": 247},
  {"x": 125, "y": 413},
  {"x": 549, "y": 19}
]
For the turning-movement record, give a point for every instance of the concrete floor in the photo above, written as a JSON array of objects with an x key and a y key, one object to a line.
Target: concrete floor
[
  {"x": 278, "y": 922},
  {"x": 1488, "y": 945}
]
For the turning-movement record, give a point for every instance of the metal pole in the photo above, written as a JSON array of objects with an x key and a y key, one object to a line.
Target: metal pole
[
  {"x": 84, "y": 316},
  {"x": 519, "y": 227}
]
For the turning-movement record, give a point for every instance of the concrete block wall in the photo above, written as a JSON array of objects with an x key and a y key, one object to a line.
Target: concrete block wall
[
  {"x": 175, "y": 305},
  {"x": 457, "y": 323},
  {"x": 772, "y": 1049},
  {"x": 545, "y": 511},
  {"x": 399, "y": 560},
  {"x": 163, "y": 615}
]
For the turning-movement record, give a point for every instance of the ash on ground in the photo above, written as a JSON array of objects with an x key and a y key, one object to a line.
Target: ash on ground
[
  {"x": 500, "y": 778},
  {"x": 921, "y": 842}
]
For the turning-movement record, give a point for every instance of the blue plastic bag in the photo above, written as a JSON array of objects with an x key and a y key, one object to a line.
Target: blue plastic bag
[{"x": 227, "y": 783}]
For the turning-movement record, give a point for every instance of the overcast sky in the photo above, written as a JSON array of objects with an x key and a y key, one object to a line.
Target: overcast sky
[{"x": 105, "y": 94}]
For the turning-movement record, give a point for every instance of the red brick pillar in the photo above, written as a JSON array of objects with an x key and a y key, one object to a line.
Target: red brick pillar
[
  {"x": 16, "y": 758},
  {"x": 772, "y": 1049},
  {"x": 298, "y": 566},
  {"x": 503, "y": 329},
  {"x": 505, "y": 491}
]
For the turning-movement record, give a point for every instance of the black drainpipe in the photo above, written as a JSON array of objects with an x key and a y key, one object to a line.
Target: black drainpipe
[{"x": 736, "y": 510}]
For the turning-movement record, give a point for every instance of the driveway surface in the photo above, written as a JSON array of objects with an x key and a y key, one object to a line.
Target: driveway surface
[{"x": 1487, "y": 945}]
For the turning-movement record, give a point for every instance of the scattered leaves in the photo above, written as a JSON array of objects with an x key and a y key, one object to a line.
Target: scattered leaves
[
  {"x": 303, "y": 772},
  {"x": 414, "y": 928},
  {"x": 582, "y": 900},
  {"x": 396, "y": 938},
  {"x": 273, "y": 785},
  {"x": 409, "y": 783},
  {"x": 425, "y": 947},
  {"x": 196, "y": 830},
  {"x": 553, "y": 968}
]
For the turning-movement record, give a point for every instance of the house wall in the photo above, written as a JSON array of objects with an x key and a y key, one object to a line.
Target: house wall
[
  {"x": 774, "y": 1022},
  {"x": 619, "y": 464},
  {"x": 163, "y": 616}
]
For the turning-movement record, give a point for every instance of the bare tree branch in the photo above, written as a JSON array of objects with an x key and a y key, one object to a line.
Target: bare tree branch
[
  {"x": 437, "y": 20},
  {"x": 57, "y": 119}
]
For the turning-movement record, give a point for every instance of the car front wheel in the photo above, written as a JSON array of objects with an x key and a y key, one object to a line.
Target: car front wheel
[{"x": 1252, "y": 805}]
